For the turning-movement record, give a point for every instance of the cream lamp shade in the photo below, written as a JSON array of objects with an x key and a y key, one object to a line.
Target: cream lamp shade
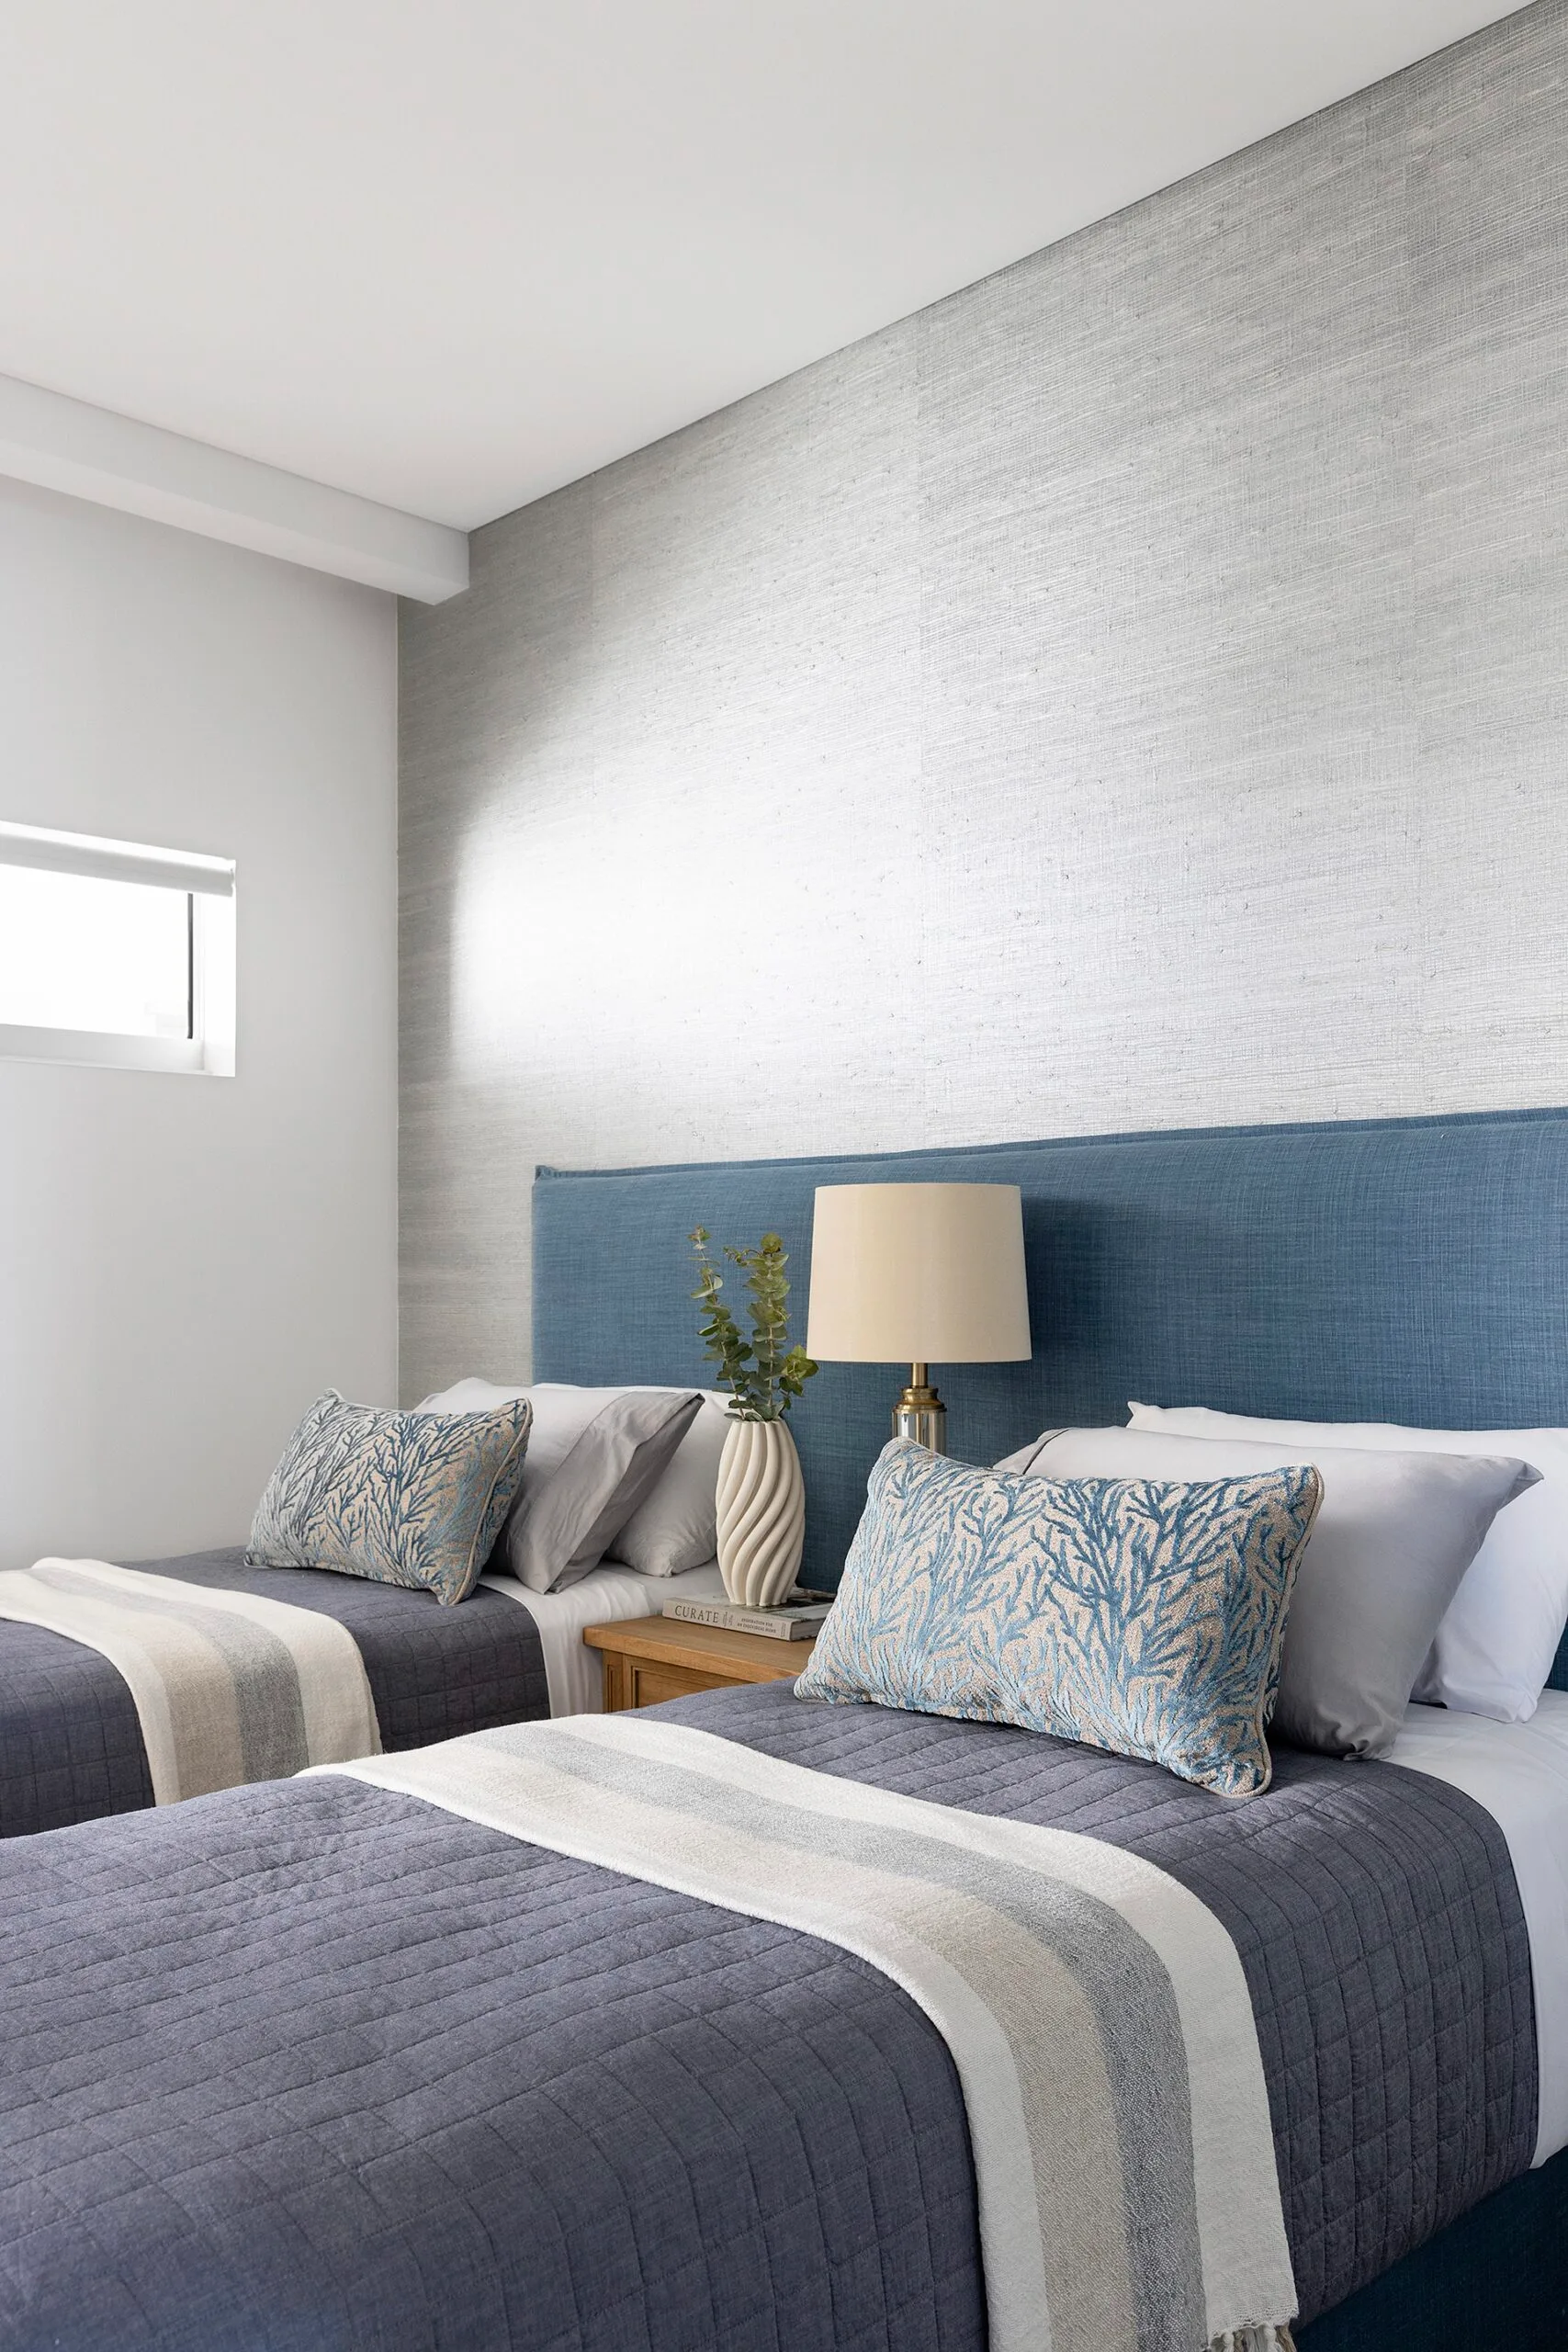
[{"x": 918, "y": 1274}]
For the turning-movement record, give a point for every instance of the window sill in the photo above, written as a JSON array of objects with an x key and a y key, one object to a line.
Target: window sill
[{"x": 98, "y": 1049}]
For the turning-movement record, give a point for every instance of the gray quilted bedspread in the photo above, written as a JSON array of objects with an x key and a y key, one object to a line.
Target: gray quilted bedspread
[
  {"x": 312, "y": 2065},
  {"x": 70, "y": 1747}
]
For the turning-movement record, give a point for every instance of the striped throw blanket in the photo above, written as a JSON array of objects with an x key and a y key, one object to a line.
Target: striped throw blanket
[
  {"x": 1096, "y": 2010},
  {"x": 228, "y": 1687}
]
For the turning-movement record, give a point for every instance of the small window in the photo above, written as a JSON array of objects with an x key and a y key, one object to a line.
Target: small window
[{"x": 114, "y": 953}]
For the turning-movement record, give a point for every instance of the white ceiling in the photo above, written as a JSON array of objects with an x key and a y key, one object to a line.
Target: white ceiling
[{"x": 451, "y": 253}]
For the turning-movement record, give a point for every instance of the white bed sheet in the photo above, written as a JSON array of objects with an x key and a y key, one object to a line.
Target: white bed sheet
[
  {"x": 573, "y": 1673},
  {"x": 1519, "y": 1772}
]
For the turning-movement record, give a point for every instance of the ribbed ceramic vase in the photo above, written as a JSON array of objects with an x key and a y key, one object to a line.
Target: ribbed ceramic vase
[{"x": 762, "y": 1513}]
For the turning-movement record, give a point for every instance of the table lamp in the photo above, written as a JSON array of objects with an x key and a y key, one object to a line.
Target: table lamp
[{"x": 918, "y": 1274}]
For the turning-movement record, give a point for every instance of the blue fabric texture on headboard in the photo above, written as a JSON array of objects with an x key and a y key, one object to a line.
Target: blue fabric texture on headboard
[{"x": 1390, "y": 1270}]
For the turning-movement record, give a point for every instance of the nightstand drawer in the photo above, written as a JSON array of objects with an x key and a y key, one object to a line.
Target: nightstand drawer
[{"x": 646, "y": 1681}]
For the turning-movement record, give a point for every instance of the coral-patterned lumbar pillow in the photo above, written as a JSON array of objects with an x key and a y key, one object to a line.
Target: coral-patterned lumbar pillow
[
  {"x": 409, "y": 1498},
  {"x": 1133, "y": 1615}
]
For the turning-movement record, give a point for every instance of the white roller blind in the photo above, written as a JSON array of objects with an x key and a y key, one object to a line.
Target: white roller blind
[{"x": 107, "y": 861}]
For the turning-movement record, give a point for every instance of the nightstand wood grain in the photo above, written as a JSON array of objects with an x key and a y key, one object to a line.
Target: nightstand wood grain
[{"x": 647, "y": 1660}]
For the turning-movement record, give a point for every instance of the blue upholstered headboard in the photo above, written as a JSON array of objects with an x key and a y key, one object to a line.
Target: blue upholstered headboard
[{"x": 1407, "y": 1269}]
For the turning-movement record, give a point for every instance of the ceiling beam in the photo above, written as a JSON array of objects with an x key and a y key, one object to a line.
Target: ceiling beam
[{"x": 63, "y": 443}]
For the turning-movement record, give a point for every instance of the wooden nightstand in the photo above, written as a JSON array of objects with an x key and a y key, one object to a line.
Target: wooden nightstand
[{"x": 650, "y": 1658}]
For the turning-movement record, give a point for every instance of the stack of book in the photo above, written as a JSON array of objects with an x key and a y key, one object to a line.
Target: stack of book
[{"x": 796, "y": 1619}]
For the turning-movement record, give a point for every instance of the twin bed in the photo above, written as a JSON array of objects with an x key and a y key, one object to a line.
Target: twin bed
[
  {"x": 350, "y": 2059},
  {"x": 71, "y": 1748},
  {"x": 410, "y": 1577}
]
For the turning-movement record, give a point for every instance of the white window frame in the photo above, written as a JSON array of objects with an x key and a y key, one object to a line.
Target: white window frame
[{"x": 209, "y": 1052}]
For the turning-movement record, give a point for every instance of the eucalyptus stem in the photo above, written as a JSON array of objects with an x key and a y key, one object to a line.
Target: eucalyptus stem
[{"x": 765, "y": 1374}]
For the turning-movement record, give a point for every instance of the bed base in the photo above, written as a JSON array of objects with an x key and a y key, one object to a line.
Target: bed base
[{"x": 1496, "y": 2280}]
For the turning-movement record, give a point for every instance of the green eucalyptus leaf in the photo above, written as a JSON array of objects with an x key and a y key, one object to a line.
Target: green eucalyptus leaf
[{"x": 762, "y": 1374}]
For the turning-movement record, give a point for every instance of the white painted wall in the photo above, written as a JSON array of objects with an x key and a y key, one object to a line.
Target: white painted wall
[{"x": 185, "y": 1262}]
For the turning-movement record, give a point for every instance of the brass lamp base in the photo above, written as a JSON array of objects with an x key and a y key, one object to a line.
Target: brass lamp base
[{"x": 921, "y": 1414}]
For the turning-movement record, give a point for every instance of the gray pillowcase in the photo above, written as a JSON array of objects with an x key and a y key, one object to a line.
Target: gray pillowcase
[
  {"x": 564, "y": 1527},
  {"x": 594, "y": 1456},
  {"x": 1395, "y": 1534}
]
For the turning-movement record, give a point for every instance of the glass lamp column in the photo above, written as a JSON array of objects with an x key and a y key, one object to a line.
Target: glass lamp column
[{"x": 919, "y": 1412}]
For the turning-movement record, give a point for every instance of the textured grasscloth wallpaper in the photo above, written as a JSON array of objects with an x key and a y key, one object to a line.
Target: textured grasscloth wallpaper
[{"x": 1133, "y": 693}]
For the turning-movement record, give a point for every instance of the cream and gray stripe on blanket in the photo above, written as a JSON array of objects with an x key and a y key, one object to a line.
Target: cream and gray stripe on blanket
[
  {"x": 1096, "y": 2010},
  {"x": 228, "y": 1687}
]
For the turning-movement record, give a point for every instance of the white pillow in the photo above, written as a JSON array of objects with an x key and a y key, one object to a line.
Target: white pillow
[
  {"x": 677, "y": 1527},
  {"x": 1499, "y": 1634},
  {"x": 560, "y": 1416}
]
